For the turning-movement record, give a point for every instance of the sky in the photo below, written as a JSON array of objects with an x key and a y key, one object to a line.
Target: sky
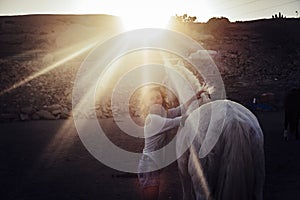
[{"x": 235, "y": 10}]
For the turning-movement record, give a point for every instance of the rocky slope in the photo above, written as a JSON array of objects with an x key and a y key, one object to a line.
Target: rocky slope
[{"x": 40, "y": 56}]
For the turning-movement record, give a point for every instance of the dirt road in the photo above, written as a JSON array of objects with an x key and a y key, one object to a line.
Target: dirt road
[{"x": 46, "y": 160}]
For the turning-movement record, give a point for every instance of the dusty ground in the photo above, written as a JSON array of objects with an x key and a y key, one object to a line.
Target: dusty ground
[{"x": 46, "y": 160}]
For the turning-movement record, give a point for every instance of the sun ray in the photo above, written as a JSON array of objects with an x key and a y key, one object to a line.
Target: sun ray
[
  {"x": 199, "y": 172},
  {"x": 58, "y": 146},
  {"x": 52, "y": 66}
]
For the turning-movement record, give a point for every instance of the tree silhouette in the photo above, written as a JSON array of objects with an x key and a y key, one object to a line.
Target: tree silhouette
[
  {"x": 223, "y": 20},
  {"x": 217, "y": 25},
  {"x": 185, "y": 18},
  {"x": 279, "y": 16}
]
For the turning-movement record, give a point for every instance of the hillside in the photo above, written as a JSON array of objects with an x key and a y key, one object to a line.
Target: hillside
[{"x": 255, "y": 58}]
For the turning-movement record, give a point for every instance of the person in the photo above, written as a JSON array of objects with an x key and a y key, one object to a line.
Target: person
[
  {"x": 292, "y": 113},
  {"x": 158, "y": 119}
]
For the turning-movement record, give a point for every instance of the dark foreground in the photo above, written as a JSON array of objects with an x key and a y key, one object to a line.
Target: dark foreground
[{"x": 46, "y": 160}]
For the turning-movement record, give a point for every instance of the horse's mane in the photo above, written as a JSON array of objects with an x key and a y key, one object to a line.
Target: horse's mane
[{"x": 192, "y": 77}]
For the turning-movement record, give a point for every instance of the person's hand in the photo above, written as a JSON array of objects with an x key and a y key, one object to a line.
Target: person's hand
[
  {"x": 199, "y": 93},
  {"x": 197, "y": 96}
]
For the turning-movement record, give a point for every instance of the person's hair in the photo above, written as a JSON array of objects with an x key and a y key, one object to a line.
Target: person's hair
[{"x": 145, "y": 107}]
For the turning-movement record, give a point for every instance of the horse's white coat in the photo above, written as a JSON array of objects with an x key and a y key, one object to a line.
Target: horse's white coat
[{"x": 226, "y": 159}]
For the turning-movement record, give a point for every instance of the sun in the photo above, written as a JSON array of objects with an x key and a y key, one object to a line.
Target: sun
[
  {"x": 137, "y": 20},
  {"x": 136, "y": 14}
]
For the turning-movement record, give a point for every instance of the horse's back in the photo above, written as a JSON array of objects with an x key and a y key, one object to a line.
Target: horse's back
[{"x": 234, "y": 168}]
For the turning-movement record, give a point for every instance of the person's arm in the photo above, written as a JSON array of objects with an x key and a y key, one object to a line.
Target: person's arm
[
  {"x": 181, "y": 109},
  {"x": 156, "y": 124},
  {"x": 175, "y": 112},
  {"x": 193, "y": 98}
]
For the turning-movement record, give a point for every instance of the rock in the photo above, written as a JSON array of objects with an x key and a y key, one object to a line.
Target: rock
[
  {"x": 44, "y": 114},
  {"x": 27, "y": 110},
  {"x": 54, "y": 107},
  {"x": 78, "y": 114},
  {"x": 64, "y": 115},
  {"x": 68, "y": 97},
  {"x": 106, "y": 116},
  {"x": 35, "y": 117},
  {"x": 24, "y": 117},
  {"x": 56, "y": 112},
  {"x": 99, "y": 113}
]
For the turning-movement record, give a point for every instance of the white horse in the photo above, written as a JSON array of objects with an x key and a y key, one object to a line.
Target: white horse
[{"x": 225, "y": 156}]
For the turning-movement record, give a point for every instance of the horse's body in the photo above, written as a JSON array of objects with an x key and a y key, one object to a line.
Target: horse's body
[
  {"x": 292, "y": 113},
  {"x": 226, "y": 158}
]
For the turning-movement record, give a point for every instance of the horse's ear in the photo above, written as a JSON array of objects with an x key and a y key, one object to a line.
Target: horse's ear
[{"x": 215, "y": 128}]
